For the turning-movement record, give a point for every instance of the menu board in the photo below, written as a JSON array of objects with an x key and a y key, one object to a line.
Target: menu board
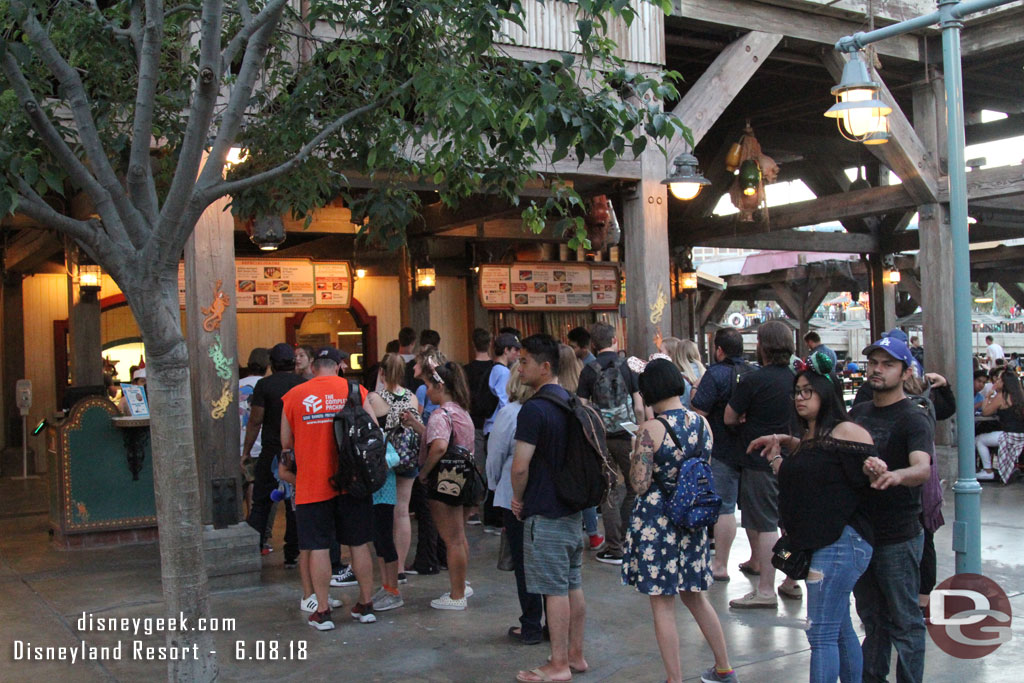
[
  {"x": 284, "y": 285},
  {"x": 549, "y": 286},
  {"x": 333, "y": 284}
]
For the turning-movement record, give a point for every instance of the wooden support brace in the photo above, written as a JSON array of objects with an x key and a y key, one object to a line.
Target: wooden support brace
[
  {"x": 788, "y": 300},
  {"x": 709, "y": 304},
  {"x": 1013, "y": 289}
]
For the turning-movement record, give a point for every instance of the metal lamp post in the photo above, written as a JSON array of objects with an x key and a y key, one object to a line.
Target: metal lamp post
[{"x": 967, "y": 527}]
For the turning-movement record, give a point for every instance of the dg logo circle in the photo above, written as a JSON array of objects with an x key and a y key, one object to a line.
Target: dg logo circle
[{"x": 969, "y": 616}]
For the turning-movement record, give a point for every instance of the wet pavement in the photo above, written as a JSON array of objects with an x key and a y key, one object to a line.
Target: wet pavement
[{"x": 44, "y": 591}]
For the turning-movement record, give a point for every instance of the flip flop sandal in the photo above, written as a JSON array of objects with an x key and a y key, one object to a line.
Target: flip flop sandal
[
  {"x": 748, "y": 570},
  {"x": 539, "y": 675},
  {"x": 720, "y": 579},
  {"x": 573, "y": 668}
]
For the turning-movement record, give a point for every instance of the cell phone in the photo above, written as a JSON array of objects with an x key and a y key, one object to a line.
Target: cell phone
[{"x": 630, "y": 427}]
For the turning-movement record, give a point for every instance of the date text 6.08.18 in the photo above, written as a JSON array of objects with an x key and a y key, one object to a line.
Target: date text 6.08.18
[{"x": 270, "y": 650}]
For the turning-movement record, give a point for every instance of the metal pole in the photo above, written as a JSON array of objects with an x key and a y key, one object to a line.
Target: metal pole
[
  {"x": 967, "y": 490},
  {"x": 24, "y": 447}
]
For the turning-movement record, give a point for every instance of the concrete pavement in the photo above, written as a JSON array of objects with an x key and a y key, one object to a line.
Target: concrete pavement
[{"x": 43, "y": 593}]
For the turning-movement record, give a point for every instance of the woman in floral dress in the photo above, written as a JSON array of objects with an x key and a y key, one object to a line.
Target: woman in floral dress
[{"x": 659, "y": 558}]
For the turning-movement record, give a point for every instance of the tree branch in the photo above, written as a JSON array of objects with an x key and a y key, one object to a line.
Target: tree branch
[
  {"x": 245, "y": 11},
  {"x": 136, "y": 27},
  {"x": 249, "y": 28},
  {"x": 233, "y": 116},
  {"x": 201, "y": 112},
  {"x": 141, "y": 186},
  {"x": 32, "y": 205},
  {"x": 81, "y": 110},
  {"x": 222, "y": 188},
  {"x": 181, "y": 8}
]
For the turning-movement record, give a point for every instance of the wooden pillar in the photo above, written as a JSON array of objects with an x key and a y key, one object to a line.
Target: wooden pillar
[
  {"x": 478, "y": 315},
  {"x": 888, "y": 306},
  {"x": 648, "y": 284},
  {"x": 404, "y": 287},
  {"x": 212, "y": 337},
  {"x": 876, "y": 296},
  {"x": 86, "y": 359},
  {"x": 13, "y": 350},
  {"x": 936, "y": 261}
]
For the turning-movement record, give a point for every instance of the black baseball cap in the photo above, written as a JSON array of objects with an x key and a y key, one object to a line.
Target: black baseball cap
[
  {"x": 282, "y": 353},
  {"x": 332, "y": 354}
]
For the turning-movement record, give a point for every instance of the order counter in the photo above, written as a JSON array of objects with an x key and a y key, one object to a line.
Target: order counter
[{"x": 101, "y": 477}]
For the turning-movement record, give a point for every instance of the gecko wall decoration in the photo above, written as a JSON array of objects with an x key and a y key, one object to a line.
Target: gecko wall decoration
[
  {"x": 658, "y": 307},
  {"x": 215, "y": 311},
  {"x": 220, "y": 406},
  {"x": 220, "y": 361}
]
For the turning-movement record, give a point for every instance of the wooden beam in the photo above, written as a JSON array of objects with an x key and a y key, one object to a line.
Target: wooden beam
[
  {"x": 438, "y": 217},
  {"x": 859, "y": 203},
  {"x": 705, "y": 101},
  {"x": 905, "y": 154},
  {"x": 991, "y": 183},
  {"x": 788, "y": 300},
  {"x": 993, "y": 131},
  {"x": 910, "y": 240},
  {"x": 1003, "y": 31},
  {"x": 755, "y": 16},
  {"x": 29, "y": 249},
  {"x": 815, "y": 296},
  {"x": 801, "y": 240},
  {"x": 1013, "y": 289},
  {"x": 708, "y": 306}
]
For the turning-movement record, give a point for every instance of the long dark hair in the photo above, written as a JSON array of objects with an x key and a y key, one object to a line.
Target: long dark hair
[
  {"x": 454, "y": 380},
  {"x": 832, "y": 410},
  {"x": 1012, "y": 388}
]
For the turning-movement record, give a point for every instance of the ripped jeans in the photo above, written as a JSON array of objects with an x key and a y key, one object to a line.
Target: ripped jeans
[{"x": 835, "y": 647}]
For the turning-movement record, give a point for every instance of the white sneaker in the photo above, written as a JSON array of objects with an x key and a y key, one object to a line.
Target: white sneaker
[
  {"x": 446, "y": 602},
  {"x": 469, "y": 590},
  {"x": 310, "y": 604},
  {"x": 985, "y": 476},
  {"x": 386, "y": 602}
]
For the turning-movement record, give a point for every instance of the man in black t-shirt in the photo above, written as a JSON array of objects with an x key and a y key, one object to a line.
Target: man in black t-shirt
[
  {"x": 266, "y": 407},
  {"x": 712, "y": 396},
  {"x": 886, "y": 593},
  {"x": 552, "y": 541},
  {"x": 617, "y": 506},
  {"x": 762, "y": 404}
]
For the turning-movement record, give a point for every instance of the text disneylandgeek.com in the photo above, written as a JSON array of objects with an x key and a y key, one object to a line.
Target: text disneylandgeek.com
[{"x": 137, "y": 649}]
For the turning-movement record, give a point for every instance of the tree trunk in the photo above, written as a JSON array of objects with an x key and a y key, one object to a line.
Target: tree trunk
[{"x": 154, "y": 302}]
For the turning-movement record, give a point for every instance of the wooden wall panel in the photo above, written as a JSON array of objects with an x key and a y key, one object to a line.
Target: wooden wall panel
[
  {"x": 379, "y": 296},
  {"x": 448, "y": 316},
  {"x": 45, "y": 299},
  {"x": 117, "y": 323},
  {"x": 259, "y": 329}
]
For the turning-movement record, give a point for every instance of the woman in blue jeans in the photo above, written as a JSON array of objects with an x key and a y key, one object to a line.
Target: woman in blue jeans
[{"x": 822, "y": 483}]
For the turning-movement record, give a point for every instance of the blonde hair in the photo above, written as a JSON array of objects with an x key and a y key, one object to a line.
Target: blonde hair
[
  {"x": 515, "y": 388},
  {"x": 675, "y": 349},
  {"x": 569, "y": 368},
  {"x": 392, "y": 370},
  {"x": 692, "y": 354}
]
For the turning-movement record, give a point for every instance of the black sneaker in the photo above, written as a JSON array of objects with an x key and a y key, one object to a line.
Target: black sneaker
[
  {"x": 608, "y": 557},
  {"x": 291, "y": 564},
  {"x": 346, "y": 578},
  {"x": 321, "y": 621},
  {"x": 402, "y": 580}
]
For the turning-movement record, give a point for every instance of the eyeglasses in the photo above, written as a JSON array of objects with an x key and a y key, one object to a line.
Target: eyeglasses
[{"x": 803, "y": 394}]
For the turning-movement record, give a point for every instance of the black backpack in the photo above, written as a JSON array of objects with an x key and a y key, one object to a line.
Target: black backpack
[
  {"x": 482, "y": 400},
  {"x": 362, "y": 449},
  {"x": 585, "y": 477}
]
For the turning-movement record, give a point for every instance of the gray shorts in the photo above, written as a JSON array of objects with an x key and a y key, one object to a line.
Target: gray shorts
[
  {"x": 759, "y": 500},
  {"x": 553, "y": 554},
  {"x": 726, "y": 478}
]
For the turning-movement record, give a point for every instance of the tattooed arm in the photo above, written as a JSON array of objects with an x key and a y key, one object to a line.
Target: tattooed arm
[{"x": 641, "y": 464}]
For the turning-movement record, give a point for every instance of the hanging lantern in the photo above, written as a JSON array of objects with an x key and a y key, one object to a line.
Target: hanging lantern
[
  {"x": 750, "y": 177},
  {"x": 859, "y": 114},
  {"x": 733, "y": 158},
  {"x": 266, "y": 232}
]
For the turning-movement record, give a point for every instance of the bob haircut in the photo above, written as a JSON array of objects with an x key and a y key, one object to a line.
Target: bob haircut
[
  {"x": 660, "y": 380},
  {"x": 832, "y": 410}
]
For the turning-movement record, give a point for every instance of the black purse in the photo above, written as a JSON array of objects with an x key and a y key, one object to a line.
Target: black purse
[
  {"x": 455, "y": 480},
  {"x": 793, "y": 563}
]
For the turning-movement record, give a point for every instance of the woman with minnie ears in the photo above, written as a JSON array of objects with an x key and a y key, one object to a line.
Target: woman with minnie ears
[{"x": 821, "y": 506}]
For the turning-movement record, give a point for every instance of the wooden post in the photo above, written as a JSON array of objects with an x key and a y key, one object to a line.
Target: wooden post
[
  {"x": 13, "y": 363},
  {"x": 649, "y": 287},
  {"x": 404, "y": 287},
  {"x": 936, "y": 260},
  {"x": 876, "y": 295},
  {"x": 212, "y": 348},
  {"x": 86, "y": 359}
]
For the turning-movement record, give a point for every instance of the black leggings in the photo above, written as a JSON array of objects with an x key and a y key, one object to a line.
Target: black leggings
[
  {"x": 384, "y": 532},
  {"x": 928, "y": 564}
]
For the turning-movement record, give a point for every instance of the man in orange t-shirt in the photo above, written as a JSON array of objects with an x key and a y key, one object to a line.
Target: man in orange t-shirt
[{"x": 322, "y": 515}]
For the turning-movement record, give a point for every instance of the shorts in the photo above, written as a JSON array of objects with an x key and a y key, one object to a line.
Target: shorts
[
  {"x": 248, "y": 470},
  {"x": 343, "y": 519},
  {"x": 553, "y": 554},
  {"x": 726, "y": 479},
  {"x": 759, "y": 500}
]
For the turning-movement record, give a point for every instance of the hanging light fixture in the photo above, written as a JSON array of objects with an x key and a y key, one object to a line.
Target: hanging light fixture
[
  {"x": 750, "y": 177},
  {"x": 686, "y": 181},
  {"x": 360, "y": 273},
  {"x": 893, "y": 276},
  {"x": 426, "y": 278},
  {"x": 689, "y": 279},
  {"x": 267, "y": 232},
  {"x": 860, "y": 115}
]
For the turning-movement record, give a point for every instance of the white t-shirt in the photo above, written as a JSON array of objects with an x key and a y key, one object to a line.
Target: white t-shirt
[
  {"x": 995, "y": 352},
  {"x": 245, "y": 386}
]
